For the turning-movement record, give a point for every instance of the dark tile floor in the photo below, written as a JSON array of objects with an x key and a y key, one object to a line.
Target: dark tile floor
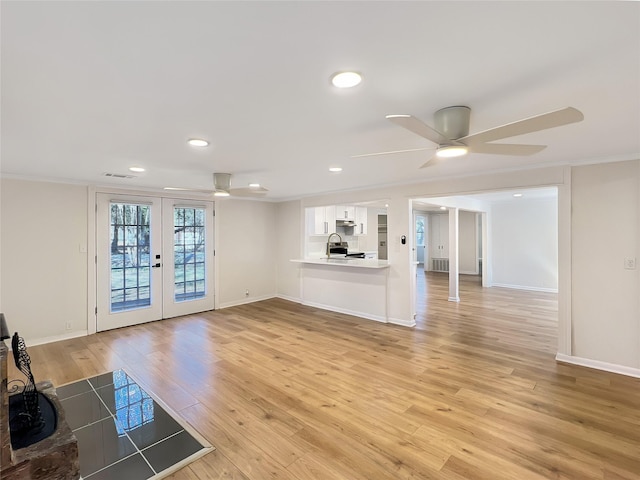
[{"x": 122, "y": 432}]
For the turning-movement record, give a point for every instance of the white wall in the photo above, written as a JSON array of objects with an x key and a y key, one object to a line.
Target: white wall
[
  {"x": 605, "y": 316},
  {"x": 44, "y": 275},
  {"x": 289, "y": 225},
  {"x": 468, "y": 242},
  {"x": 44, "y": 272},
  {"x": 605, "y": 230},
  {"x": 246, "y": 251},
  {"x": 525, "y": 243}
]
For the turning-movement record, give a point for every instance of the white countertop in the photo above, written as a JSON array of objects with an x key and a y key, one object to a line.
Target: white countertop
[{"x": 343, "y": 262}]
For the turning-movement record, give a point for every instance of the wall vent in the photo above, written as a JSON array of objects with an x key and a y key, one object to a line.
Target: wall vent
[
  {"x": 440, "y": 264},
  {"x": 118, "y": 175}
]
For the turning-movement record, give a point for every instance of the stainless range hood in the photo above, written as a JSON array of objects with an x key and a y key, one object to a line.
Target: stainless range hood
[{"x": 345, "y": 223}]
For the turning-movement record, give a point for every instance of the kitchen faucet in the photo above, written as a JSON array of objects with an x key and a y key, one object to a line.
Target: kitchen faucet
[{"x": 329, "y": 243}]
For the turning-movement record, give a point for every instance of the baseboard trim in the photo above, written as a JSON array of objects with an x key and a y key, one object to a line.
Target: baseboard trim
[
  {"x": 289, "y": 299},
  {"x": 245, "y": 301},
  {"x": 32, "y": 342},
  {"x": 367, "y": 316},
  {"x": 402, "y": 323},
  {"x": 598, "y": 365},
  {"x": 524, "y": 287}
]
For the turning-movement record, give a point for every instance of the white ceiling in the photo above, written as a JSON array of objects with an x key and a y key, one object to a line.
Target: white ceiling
[
  {"x": 95, "y": 87},
  {"x": 502, "y": 196}
]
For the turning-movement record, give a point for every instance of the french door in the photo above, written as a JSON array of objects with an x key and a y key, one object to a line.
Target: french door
[{"x": 154, "y": 259}]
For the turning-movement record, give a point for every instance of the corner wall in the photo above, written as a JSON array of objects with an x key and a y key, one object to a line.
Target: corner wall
[
  {"x": 525, "y": 244},
  {"x": 290, "y": 228},
  {"x": 246, "y": 243},
  {"x": 605, "y": 230},
  {"x": 44, "y": 259}
]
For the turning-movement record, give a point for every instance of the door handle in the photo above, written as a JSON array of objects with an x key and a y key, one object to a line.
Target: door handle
[{"x": 157, "y": 265}]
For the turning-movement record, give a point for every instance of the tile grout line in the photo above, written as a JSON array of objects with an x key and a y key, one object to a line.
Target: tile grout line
[
  {"x": 162, "y": 440},
  {"x": 125, "y": 432},
  {"x": 113, "y": 416}
]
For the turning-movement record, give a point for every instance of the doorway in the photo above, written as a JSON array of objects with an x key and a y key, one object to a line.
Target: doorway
[
  {"x": 506, "y": 239},
  {"x": 154, "y": 259}
]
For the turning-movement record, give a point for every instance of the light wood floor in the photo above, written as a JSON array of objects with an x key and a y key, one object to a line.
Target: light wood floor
[{"x": 290, "y": 392}]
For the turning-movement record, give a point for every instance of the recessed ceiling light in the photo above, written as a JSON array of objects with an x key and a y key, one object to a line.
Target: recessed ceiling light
[
  {"x": 517, "y": 195},
  {"x": 136, "y": 169},
  {"x": 220, "y": 193},
  {"x": 335, "y": 169},
  {"x": 346, "y": 79},
  {"x": 443, "y": 208},
  {"x": 451, "y": 151},
  {"x": 198, "y": 142},
  {"x": 254, "y": 185},
  {"x": 174, "y": 188}
]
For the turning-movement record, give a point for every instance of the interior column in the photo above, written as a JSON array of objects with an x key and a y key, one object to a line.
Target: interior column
[{"x": 454, "y": 294}]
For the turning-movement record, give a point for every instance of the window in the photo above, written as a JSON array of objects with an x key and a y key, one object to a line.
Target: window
[
  {"x": 189, "y": 253},
  {"x": 130, "y": 268}
]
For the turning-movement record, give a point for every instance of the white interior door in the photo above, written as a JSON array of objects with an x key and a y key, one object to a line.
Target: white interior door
[
  {"x": 128, "y": 251},
  {"x": 154, "y": 259},
  {"x": 188, "y": 253}
]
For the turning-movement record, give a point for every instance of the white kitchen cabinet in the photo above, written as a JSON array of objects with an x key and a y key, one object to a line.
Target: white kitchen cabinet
[
  {"x": 322, "y": 220},
  {"x": 361, "y": 221},
  {"x": 345, "y": 212},
  {"x": 439, "y": 236}
]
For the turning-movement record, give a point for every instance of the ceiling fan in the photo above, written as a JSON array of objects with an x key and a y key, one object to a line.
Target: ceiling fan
[
  {"x": 451, "y": 132},
  {"x": 222, "y": 188}
]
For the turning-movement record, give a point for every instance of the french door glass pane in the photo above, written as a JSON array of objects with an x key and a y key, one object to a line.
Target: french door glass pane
[
  {"x": 129, "y": 256},
  {"x": 188, "y": 253}
]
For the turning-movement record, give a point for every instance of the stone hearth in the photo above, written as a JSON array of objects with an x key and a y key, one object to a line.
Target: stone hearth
[{"x": 54, "y": 458}]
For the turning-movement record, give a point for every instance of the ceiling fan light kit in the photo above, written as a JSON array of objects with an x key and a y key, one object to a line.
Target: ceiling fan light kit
[{"x": 450, "y": 151}]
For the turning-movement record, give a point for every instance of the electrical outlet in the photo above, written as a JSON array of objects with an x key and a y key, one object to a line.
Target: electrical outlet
[
  {"x": 246, "y": 293},
  {"x": 630, "y": 263},
  {"x": 67, "y": 326}
]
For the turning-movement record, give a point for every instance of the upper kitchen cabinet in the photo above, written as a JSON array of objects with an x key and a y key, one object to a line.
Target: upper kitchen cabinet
[
  {"x": 321, "y": 220},
  {"x": 361, "y": 221},
  {"x": 345, "y": 212}
]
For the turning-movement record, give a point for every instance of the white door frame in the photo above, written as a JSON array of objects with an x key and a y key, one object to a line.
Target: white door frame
[
  {"x": 170, "y": 307},
  {"x": 134, "y": 316},
  {"x": 92, "y": 190}
]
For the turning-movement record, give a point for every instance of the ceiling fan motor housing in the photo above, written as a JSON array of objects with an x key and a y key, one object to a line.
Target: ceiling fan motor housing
[
  {"x": 222, "y": 182},
  {"x": 452, "y": 122}
]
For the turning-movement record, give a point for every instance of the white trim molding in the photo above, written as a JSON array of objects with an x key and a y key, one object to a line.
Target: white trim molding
[
  {"x": 345, "y": 311},
  {"x": 524, "y": 287},
  {"x": 598, "y": 365},
  {"x": 55, "y": 338},
  {"x": 289, "y": 298},
  {"x": 401, "y": 322},
  {"x": 245, "y": 301}
]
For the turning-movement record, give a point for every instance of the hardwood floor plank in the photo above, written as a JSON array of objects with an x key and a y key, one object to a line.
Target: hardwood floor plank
[{"x": 286, "y": 391}]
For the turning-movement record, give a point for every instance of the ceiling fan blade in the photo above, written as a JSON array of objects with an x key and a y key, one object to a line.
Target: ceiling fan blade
[
  {"x": 416, "y": 126},
  {"x": 432, "y": 161},
  {"x": 391, "y": 152},
  {"x": 248, "y": 191},
  {"x": 506, "y": 148},
  {"x": 557, "y": 118}
]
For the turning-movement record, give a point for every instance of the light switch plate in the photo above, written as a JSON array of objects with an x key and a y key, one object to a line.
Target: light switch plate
[{"x": 630, "y": 263}]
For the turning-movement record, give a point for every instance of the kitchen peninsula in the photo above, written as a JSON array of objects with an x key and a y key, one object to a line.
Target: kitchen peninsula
[
  {"x": 353, "y": 286},
  {"x": 341, "y": 270}
]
